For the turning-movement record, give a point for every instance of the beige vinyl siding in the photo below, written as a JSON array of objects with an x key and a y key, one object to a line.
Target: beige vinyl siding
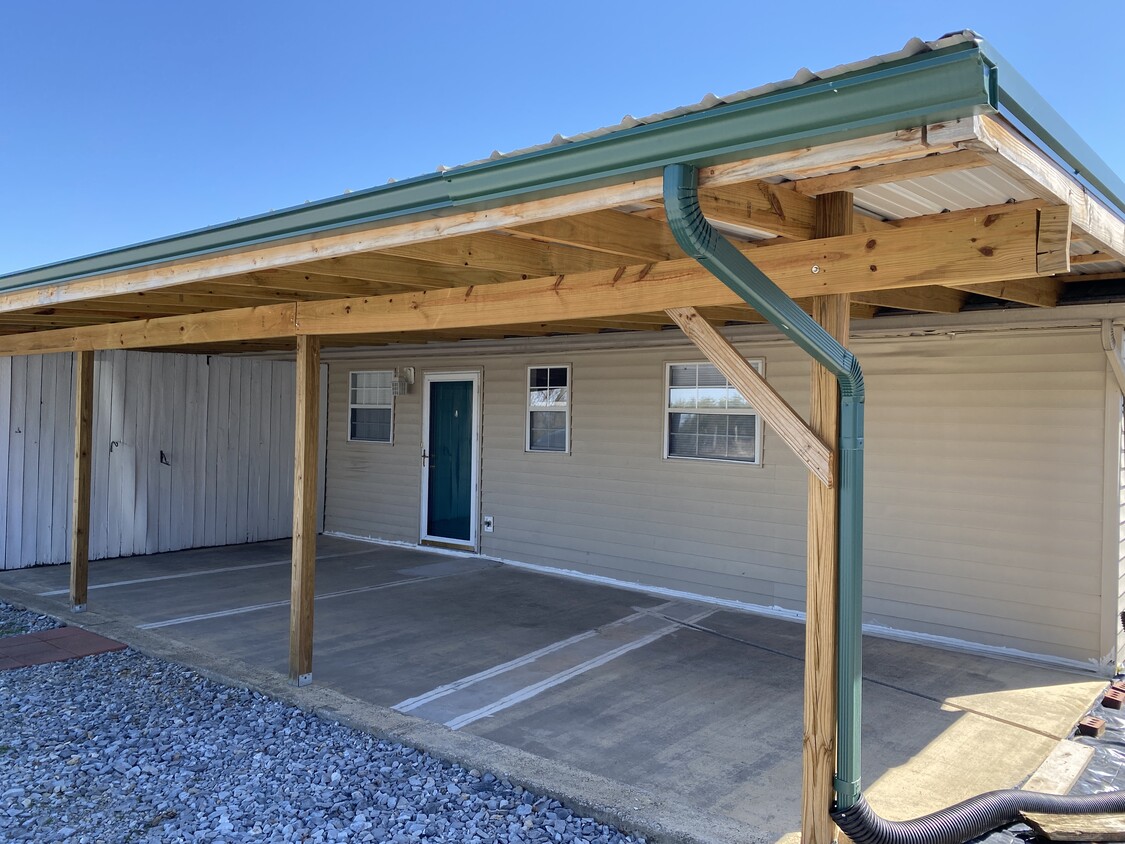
[
  {"x": 984, "y": 466},
  {"x": 373, "y": 489},
  {"x": 984, "y": 484},
  {"x": 1118, "y": 624}
]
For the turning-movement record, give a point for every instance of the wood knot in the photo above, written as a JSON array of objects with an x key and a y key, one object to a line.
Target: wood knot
[
  {"x": 987, "y": 251},
  {"x": 873, "y": 268},
  {"x": 990, "y": 219},
  {"x": 871, "y": 243},
  {"x": 347, "y": 309}
]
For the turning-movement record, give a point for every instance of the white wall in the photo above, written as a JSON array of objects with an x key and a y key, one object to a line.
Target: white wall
[
  {"x": 984, "y": 496},
  {"x": 188, "y": 451}
]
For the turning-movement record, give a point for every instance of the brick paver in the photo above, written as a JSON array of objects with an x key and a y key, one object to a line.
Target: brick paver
[{"x": 53, "y": 646}]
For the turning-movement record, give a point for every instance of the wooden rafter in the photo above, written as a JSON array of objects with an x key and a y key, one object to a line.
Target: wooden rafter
[
  {"x": 1040, "y": 292},
  {"x": 387, "y": 269},
  {"x": 761, "y": 206},
  {"x": 1093, "y": 258},
  {"x": 928, "y": 299},
  {"x": 896, "y": 171},
  {"x": 620, "y": 234},
  {"x": 507, "y": 254}
]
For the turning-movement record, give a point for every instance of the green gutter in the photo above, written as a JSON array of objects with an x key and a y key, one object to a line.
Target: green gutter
[
  {"x": 1019, "y": 100},
  {"x": 926, "y": 88}
]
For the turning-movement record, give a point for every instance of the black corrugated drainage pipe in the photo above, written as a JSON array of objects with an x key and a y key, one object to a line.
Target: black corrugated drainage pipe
[{"x": 956, "y": 824}]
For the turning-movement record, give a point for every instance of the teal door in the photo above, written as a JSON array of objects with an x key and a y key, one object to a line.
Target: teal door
[{"x": 449, "y": 493}]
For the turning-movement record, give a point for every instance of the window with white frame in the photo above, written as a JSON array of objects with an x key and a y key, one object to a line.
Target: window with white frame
[
  {"x": 548, "y": 408},
  {"x": 706, "y": 418},
  {"x": 370, "y": 406}
]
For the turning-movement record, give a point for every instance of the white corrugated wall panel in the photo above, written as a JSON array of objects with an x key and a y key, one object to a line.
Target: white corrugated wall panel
[
  {"x": 984, "y": 479},
  {"x": 188, "y": 451}
]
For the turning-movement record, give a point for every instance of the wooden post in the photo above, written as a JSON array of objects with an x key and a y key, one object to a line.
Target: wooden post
[
  {"x": 80, "y": 500},
  {"x": 833, "y": 218},
  {"x": 304, "y": 511}
]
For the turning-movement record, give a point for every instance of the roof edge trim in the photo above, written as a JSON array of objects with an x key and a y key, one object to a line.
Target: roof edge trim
[
  {"x": 1016, "y": 96},
  {"x": 931, "y": 87}
]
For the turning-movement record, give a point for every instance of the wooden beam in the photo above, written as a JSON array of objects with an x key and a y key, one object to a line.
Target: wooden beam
[
  {"x": 778, "y": 210},
  {"x": 861, "y": 311},
  {"x": 309, "y": 282},
  {"x": 1053, "y": 246},
  {"x": 615, "y": 232},
  {"x": 391, "y": 269},
  {"x": 1039, "y": 292},
  {"x": 1093, "y": 258},
  {"x": 897, "y": 171},
  {"x": 221, "y": 326},
  {"x": 833, "y": 220},
  {"x": 929, "y": 299},
  {"x": 80, "y": 500},
  {"x": 993, "y": 245},
  {"x": 1101, "y": 827},
  {"x": 507, "y": 254},
  {"x": 987, "y": 245},
  {"x": 762, "y": 206},
  {"x": 1003, "y": 146},
  {"x": 774, "y": 410},
  {"x": 302, "y": 591}
]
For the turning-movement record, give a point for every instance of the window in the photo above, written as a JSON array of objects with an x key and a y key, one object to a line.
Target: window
[
  {"x": 548, "y": 408},
  {"x": 370, "y": 406},
  {"x": 707, "y": 418}
]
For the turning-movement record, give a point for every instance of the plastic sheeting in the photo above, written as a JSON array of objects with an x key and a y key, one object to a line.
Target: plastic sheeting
[{"x": 1106, "y": 771}]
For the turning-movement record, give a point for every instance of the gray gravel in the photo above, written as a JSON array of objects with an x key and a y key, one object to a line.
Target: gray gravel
[
  {"x": 123, "y": 747},
  {"x": 14, "y": 621}
]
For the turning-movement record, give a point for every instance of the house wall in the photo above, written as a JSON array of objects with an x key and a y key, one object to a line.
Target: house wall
[
  {"x": 984, "y": 479},
  {"x": 188, "y": 451},
  {"x": 1119, "y": 532}
]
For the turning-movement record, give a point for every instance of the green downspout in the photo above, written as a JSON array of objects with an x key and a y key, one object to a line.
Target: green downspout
[{"x": 707, "y": 246}]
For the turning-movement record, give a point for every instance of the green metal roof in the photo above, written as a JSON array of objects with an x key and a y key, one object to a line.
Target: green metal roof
[{"x": 964, "y": 78}]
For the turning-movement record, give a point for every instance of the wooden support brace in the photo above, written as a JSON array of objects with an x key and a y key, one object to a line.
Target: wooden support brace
[
  {"x": 775, "y": 411},
  {"x": 304, "y": 512},
  {"x": 834, "y": 217},
  {"x": 80, "y": 509}
]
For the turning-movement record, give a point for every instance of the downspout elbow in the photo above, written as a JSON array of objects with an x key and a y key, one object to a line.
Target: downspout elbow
[{"x": 700, "y": 240}]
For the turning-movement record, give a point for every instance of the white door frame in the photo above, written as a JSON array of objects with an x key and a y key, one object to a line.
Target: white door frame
[{"x": 474, "y": 514}]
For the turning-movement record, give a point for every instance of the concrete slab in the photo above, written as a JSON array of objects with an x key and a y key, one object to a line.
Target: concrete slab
[{"x": 698, "y": 707}]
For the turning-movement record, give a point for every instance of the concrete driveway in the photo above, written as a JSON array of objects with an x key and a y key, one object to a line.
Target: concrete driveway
[{"x": 689, "y": 702}]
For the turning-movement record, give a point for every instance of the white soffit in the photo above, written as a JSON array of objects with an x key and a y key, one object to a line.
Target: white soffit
[{"x": 955, "y": 190}]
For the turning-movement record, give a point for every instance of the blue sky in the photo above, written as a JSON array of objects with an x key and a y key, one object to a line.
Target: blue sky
[{"x": 125, "y": 121}]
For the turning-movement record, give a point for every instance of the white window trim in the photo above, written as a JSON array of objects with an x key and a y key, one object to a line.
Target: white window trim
[
  {"x": 759, "y": 365},
  {"x": 528, "y": 408},
  {"x": 352, "y": 407}
]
